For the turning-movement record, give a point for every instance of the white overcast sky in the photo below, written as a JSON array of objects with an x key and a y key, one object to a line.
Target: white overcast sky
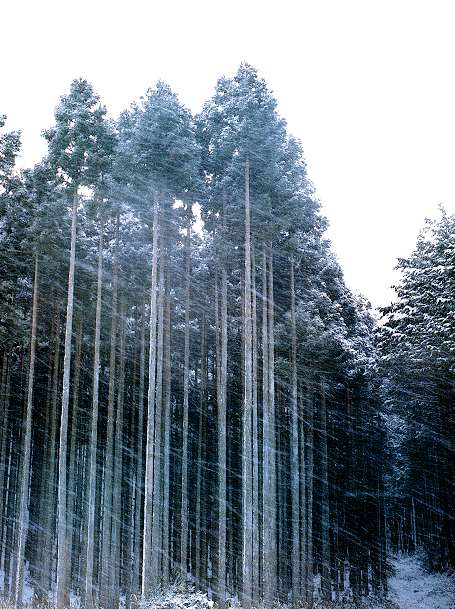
[{"x": 368, "y": 87}]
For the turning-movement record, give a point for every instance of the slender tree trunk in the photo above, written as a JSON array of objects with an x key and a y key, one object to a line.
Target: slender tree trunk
[
  {"x": 199, "y": 562},
  {"x": 106, "y": 591},
  {"x": 309, "y": 486},
  {"x": 46, "y": 413},
  {"x": 413, "y": 525},
  {"x": 93, "y": 440},
  {"x": 325, "y": 516},
  {"x": 25, "y": 474},
  {"x": 303, "y": 492},
  {"x": 295, "y": 471},
  {"x": 6, "y": 374},
  {"x": 157, "y": 531},
  {"x": 149, "y": 562},
  {"x": 255, "y": 439},
  {"x": 47, "y": 503},
  {"x": 167, "y": 436},
  {"x": 265, "y": 408},
  {"x": 130, "y": 456},
  {"x": 217, "y": 341},
  {"x": 139, "y": 465},
  {"x": 72, "y": 502},
  {"x": 222, "y": 439},
  {"x": 11, "y": 511},
  {"x": 247, "y": 470},
  {"x": 221, "y": 343},
  {"x": 269, "y": 458},
  {"x": 186, "y": 376},
  {"x": 62, "y": 588},
  {"x": 116, "y": 531}
]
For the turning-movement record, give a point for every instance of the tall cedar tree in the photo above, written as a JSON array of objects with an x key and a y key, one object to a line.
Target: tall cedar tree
[
  {"x": 164, "y": 154},
  {"x": 80, "y": 148}
]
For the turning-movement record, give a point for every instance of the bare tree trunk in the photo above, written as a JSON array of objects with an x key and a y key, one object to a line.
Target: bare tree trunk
[
  {"x": 200, "y": 572},
  {"x": 295, "y": 444},
  {"x": 72, "y": 503},
  {"x": 149, "y": 561},
  {"x": 303, "y": 493},
  {"x": 265, "y": 405},
  {"x": 106, "y": 592},
  {"x": 25, "y": 473},
  {"x": 167, "y": 436},
  {"x": 157, "y": 532},
  {"x": 11, "y": 509},
  {"x": 62, "y": 588},
  {"x": 309, "y": 486},
  {"x": 186, "y": 376},
  {"x": 325, "y": 516},
  {"x": 269, "y": 458},
  {"x": 139, "y": 496},
  {"x": 221, "y": 359},
  {"x": 247, "y": 470},
  {"x": 217, "y": 341},
  {"x": 6, "y": 374},
  {"x": 130, "y": 459},
  {"x": 93, "y": 440},
  {"x": 255, "y": 439},
  {"x": 116, "y": 555},
  {"x": 47, "y": 499}
]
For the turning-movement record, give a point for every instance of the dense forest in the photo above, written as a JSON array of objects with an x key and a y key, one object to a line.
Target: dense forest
[{"x": 188, "y": 390}]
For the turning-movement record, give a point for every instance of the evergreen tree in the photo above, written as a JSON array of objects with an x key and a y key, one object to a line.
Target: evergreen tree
[
  {"x": 417, "y": 346},
  {"x": 39, "y": 197},
  {"x": 10, "y": 145},
  {"x": 80, "y": 146},
  {"x": 163, "y": 154}
]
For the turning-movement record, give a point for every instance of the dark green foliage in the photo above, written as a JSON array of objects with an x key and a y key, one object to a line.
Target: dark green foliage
[
  {"x": 418, "y": 357},
  {"x": 158, "y": 154},
  {"x": 80, "y": 144},
  {"x": 10, "y": 145}
]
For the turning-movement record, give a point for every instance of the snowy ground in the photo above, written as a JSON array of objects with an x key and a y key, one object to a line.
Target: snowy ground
[{"x": 413, "y": 588}]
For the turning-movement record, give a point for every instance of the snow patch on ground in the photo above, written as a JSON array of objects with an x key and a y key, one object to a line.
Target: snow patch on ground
[
  {"x": 411, "y": 587},
  {"x": 177, "y": 597},
  {"x": 414, "y": 588}
]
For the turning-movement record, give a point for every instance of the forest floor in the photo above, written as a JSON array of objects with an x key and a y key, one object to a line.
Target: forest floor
[{"x": 412, "y": 587}]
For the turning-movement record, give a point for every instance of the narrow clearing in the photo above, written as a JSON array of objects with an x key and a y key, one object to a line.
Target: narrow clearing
[{"x": 413, "y": 588}]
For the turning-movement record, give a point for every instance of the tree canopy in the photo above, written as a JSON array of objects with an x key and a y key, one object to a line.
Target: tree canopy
[{"x": 217, "y": 406}]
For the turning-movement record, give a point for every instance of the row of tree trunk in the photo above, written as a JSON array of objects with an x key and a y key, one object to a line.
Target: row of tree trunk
[{"x": 129, "y": 507}]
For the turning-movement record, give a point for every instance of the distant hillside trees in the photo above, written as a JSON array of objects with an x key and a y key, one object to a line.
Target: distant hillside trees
[{"x": 418, "y": 356}]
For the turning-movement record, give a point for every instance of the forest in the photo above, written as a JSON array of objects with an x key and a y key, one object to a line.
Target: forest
[{"x": 189, "y": 392}]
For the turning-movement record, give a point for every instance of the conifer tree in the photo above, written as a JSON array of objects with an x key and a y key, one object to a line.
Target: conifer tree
[
  {"x": 80, "y": 146},
  {"x": 164, "y": 155},
  {"x": 243, "y": 132},
  {"x": 417, "y": 347},
  {"x": 39, "y": 196}
]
